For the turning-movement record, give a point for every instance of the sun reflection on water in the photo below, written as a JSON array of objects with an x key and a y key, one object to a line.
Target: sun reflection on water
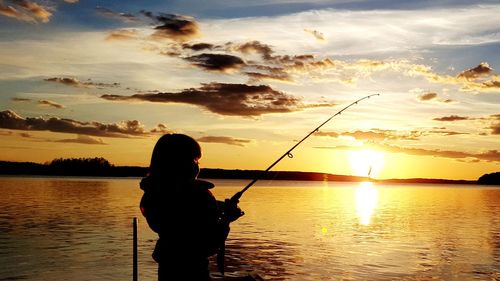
[{"x": 366, "y": 201}]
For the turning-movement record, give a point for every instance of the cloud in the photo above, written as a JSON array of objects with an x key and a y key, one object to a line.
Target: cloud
[
  {"x": 66, "y": 81},
  {"x": 11, "y": 120},
  {"x": 452, "y": 118},
  {"x": 433, "y": 97},
  {"x": 12, "y": 12},
  {"x": 277, "y": 67},
  {"x": 216, "y": 62},
  {"x": 495, "y": 125},
  {"x": 125, "y": 17},
  {"x": 175, "y": 27},
  {"x": 20, "y": 99},
  {"x": 122, "y": 34},
  {"x": 50, "y": 103},
  {"x": 40, "y": 102},
  {"x": 161, "y": 129},
  {"x": 255, "y": 47},
  {"x": 318, "y": 35},
  {"x": 198, "y": 46},
  {"x": 326, "y": 134},
  {"x": 83, "y": 139},
  {"x": 71, "y": 1},
  {"x": 225, "y": 140},
  {"x": 273, "y": 76},
  {"x": 379, "y": 135},
  {"x": 446, "y": 132},
  {"x": 427, "y": 96},
  {"x": 479, "y": 79},
  {"x": 473, "y": 73},
  {"x": 489, "y": 155},
  {"x": 25, "y": 10},
  {"x": 376, "y": 135},
  {"x": 225, "y": 99},
  {"x": 69, "y": 81}
]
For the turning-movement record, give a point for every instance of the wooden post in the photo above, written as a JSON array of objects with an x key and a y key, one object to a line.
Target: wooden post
[{"x": 135, "y": 276}]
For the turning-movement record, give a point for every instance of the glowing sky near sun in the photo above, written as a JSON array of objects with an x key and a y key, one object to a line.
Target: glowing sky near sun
[{"x": 248, "y": 78}]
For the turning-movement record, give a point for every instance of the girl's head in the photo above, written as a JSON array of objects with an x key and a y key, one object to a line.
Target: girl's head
[{"x": 175, "y": 156}]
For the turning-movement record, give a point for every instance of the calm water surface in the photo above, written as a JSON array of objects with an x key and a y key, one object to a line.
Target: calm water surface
[{"x": 80, "y": 229}]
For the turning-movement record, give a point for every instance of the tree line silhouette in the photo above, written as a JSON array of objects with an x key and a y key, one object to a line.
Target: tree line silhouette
[
  {"x": 96, "y": 166},
  {"x": 100, "y": 167}
]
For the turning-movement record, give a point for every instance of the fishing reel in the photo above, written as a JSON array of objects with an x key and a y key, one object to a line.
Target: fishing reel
[{"x": 229, "y": 211}]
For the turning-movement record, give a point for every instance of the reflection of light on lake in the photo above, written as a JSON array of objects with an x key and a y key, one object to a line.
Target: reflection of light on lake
[{"x": 366, "y": 201}]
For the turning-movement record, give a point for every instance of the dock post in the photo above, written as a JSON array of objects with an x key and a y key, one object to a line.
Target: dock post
[{"x": 135, "y": 276}]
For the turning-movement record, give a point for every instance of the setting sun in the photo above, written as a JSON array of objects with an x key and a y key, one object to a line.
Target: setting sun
[{"x": 366, "y": 162}]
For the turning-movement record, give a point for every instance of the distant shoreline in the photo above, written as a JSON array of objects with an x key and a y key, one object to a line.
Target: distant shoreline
[{"x": 36, "y": 169}]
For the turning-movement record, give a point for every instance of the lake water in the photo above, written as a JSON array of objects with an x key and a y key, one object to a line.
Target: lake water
[{"x": 81, "y": 229}]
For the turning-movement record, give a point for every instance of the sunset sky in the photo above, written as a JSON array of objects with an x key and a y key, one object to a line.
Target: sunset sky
[{"x": 248, "y": 79}]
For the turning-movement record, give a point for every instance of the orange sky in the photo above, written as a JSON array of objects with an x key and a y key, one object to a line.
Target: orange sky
[{"x": 249, "y": 83}]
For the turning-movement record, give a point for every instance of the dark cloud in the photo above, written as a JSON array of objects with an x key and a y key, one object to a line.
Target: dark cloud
[
  {"x": 66, "y": 81},
  {"x": 198, "y": 46},
  {"x": 225, "y": 99},
  {"x": 216, "y": 62},
  {"x": 257, "y": 77},
  {"x": 473, "y": 73},
  {"x": 69, "y": 81},
  {"x": 82, "y": 139},
  {"x": 272, "y": 67},
  {"x": 432, "y": 97},
  {"x": 295, "y": 60},
  {"x": 427, "y": 96},
  {"x": 11, "y": 120},
  {"x": 225, "y": 140},
  {"x": 175, "y": 27},
  {"x": 452, "y": 118},
  {"x": 277, "y": 67},
  {"x": 125, "y": 17},
  {"x": 318, "y": 35},
  {"x": 122, "y": 34},
  {"x": 491, "y": 84},
  {"x": 495, "y": 126},
  {"x": 263, "y": 72},
  {"x": 50, "y": 103},
  {"x": 25, "y": 10}
]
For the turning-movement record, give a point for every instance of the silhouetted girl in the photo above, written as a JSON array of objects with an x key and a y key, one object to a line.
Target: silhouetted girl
[{"x": 181, "y": 209}]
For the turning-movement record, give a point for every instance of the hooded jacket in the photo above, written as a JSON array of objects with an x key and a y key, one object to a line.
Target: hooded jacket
[{"x": 184, "y": 214}]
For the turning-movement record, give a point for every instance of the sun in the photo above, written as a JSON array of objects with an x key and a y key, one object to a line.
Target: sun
[{"x": 367, "y": 162}]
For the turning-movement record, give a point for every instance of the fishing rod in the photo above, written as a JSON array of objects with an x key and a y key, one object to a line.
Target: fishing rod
[{"x": 238, "y": 194}]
